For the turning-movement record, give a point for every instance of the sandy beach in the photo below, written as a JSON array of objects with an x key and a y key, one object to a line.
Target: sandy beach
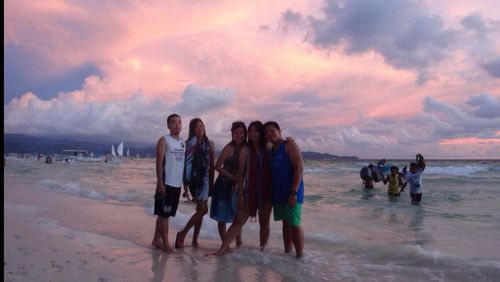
[{"x": 53, "y": 236}]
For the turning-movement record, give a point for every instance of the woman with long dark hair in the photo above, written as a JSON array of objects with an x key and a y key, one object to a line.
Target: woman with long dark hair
[
  {"x": 198, "y": 177},
  {"x": 254, "y": 188},
  {"x": 223, "y": 206}
]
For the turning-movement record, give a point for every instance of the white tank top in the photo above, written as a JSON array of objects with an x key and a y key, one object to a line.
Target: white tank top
[{"x": 173, "y": 167}]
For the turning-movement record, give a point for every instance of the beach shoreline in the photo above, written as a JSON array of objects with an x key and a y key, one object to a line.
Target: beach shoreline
[
  {"x": 94, "y": 222},
  {"x": 53, "y": 236}
]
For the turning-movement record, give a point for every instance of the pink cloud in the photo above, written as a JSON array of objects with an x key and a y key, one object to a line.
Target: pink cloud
[{"x": 150, "y": 53}]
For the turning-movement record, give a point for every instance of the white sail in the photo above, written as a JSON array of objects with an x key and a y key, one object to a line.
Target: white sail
[
  {"x": 128, "y": 153},
  {"x": 113, "y": 151},
  {"x": 119, "y": 150}
]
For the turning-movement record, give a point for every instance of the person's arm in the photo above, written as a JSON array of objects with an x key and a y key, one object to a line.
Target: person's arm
[
  {"x": 211, "y": 170},
  {"x": 401, "y": 183},
  {"x": 386, "y": 179},
  {"x": 184, "y": 179},
  {"x": 226, "y": 152},
  {"x": 295, "y": 156},
  {"x": 161, "y": 148},
  {"x": 242, "y": 161},
  {"x": 420, "y": 162}
]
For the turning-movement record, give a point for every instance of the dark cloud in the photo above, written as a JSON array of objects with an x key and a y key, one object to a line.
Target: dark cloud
[
  {"x": 25, "y": 71},
  {"x": 488, "y": 106},
  {"x": 290, "y": 18},
  {"x": 493, "y": 67},
  {"x": 405, "y": 34},
  {"x": 476, "y": 23},
  {"x": 449, "y": 121}
]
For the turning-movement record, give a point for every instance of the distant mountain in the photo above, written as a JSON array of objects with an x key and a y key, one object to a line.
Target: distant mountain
[
  {"x": 26, "y": 144},
  {"x": 325, "y": 156}
]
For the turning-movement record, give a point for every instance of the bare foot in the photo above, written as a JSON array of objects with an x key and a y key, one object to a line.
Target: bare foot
[
  {"x": 262, "y": 248},
  {"x": 179, "y": 240},
  {"x": 195, "y": 245},
  {"x": 168, "y": 250},
  {"x": 157, "y": 245},
  {"x": 219, "y": 252}
]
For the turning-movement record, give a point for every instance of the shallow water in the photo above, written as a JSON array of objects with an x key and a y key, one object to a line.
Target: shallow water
[{"x": 350, "y": 233}]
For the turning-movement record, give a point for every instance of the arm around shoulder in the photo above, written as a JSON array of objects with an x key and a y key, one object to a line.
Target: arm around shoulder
[{"x": 211, "y": 165}]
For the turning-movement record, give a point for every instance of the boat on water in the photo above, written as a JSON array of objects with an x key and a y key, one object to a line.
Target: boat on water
[
  {"x": 113, "y": 153},
  {"x": 119, "y": 150},
  {"x": 79, "y": 155}
]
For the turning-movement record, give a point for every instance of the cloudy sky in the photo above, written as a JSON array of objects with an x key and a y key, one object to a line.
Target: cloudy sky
[{"x": 371, "y": 78}]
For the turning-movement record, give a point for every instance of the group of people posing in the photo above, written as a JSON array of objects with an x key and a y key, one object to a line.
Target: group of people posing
[
  {"x": 252, "y": 181},
  {"x": 397, "y": 180}
]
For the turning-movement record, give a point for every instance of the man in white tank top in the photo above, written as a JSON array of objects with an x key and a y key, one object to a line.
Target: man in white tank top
[{"x": 170, "y": 152}]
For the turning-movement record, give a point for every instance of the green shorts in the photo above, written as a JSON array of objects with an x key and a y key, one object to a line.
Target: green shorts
[{"x": 287, "y": 213}]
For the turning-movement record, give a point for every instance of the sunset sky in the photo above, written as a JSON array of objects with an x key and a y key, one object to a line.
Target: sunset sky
[{"x": 370, "y": 78}]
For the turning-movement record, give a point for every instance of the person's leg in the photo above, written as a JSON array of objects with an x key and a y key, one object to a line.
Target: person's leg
[
  {"x": 221, "y": 226},
  {"x": 157, "y": 236},
  {"x": 197, "y": 216},
  {"x": 203, "y": 209},
  {"x": 196, "y": 233},
  {"x": 292, "y": 219},
  {"x": 264, "y": 222},
  {"x": 164, "y": 235},
  {"x": 239, "y": 240},
  {"x": 413, "y": 199},
  {"x": 298, "y": 239},
  {"x": 287, "y": 237},
  {"x": 234, "y": 231}
]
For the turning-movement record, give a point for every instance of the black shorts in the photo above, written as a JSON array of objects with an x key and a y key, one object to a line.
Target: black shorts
[
  {"x": 415, "y": 198},
  {"x": 167, "y": 206}
]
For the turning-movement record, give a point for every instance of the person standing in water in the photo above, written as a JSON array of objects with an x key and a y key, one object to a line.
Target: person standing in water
[
  {"x": 288, "y": 187},
  {"x": 253, "y": 189},
  {"x": 414, "y": 178},
  {"x": 224, "y": 200},
  {"x": 395, "y": 182},
  {"x": 198, "y": 177},
  {"x": 170, "y": 154}
]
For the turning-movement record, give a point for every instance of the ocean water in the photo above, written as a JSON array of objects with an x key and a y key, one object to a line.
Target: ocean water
[{"x": 351, "y": 234}]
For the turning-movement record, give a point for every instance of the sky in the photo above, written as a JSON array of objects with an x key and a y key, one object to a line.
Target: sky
[{"x": 367, "y": 78}]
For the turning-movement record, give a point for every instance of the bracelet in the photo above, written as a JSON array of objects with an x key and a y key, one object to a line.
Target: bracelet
[{"x": 293, "y": 192}]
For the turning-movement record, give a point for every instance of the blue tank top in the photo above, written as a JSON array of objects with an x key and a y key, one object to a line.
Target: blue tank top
[{"x": 282, "y": 176}]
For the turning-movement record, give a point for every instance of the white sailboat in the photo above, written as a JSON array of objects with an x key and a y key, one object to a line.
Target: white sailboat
[
  {"x": 119, "y": 150},
  {"x": 113, "y": 150},
  {"x": 128, "y": 152}
]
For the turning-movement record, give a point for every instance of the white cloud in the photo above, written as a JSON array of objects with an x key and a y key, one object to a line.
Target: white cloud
[
  {"x": 196, "y": 99},
  {"x": 84, "y": 115}
]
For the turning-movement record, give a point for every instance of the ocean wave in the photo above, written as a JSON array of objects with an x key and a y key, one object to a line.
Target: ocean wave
[
  {"x": 71, "y": 188},
  {"x": 465, "y": 170},
  {"x": 325, "y": 238}
]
